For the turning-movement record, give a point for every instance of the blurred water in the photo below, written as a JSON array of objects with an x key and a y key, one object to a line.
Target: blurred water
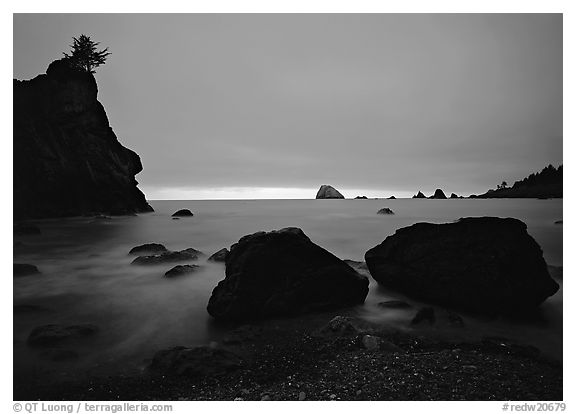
[{"x": 87, "y": 277}]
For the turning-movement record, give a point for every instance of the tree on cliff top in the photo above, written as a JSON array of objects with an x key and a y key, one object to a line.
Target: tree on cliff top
[{"x": 84, "y": 54}]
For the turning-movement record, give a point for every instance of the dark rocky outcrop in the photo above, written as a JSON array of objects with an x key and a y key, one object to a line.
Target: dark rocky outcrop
[
  {"x": 483, "y": 264},
  {"x": 454, "y": 195},
  {"x": 419, "y": 195},
  {"x": 67, "y": 159},
  {"x": 181, "y": 270},
  {"x": 385, "y": 210},
  {"x": 283, "y": 273},
  {"x": 425, "y": 314},
  {"x": 359, "y": 198},
  {"x": 149, "y": 249},
  {"x": 169, "y": 257},
  {"x": 183, "y": 213},
  {"x": 391, "y": 198},
  {"x": 48, "y": 335},
  {"x": 438, "y": 195},
  {"x": 547, "y": 183},
  {"x": 219, "y": 256},
  {"x": 194, "y": 362},
  {"x": 21, "y": 269},
  {"x": 327, "y": 191}
]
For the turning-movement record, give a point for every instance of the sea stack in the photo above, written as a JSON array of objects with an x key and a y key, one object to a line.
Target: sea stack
[
  {"x": 439, "y": 195},
  {"x": 419, "y": 195},
  {"x": 67, "y": 159},
  {"x": 327, "y": 191}
]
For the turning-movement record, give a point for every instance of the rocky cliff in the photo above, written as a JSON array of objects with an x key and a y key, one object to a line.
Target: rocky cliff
[
  {"x": 547, "y": 183},
  {"x": 67, "y": 159}
]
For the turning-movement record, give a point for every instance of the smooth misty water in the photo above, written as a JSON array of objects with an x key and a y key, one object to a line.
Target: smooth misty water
[{"x": 87, "y": 277}]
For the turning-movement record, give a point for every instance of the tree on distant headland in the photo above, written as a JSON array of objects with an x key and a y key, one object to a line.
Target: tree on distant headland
[
  {"x": 503, "y": 185},
  {"x": 84, "y": 54}
]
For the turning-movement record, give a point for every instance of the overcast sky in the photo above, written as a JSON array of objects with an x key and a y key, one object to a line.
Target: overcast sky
[{"x": 251, "y": 106}]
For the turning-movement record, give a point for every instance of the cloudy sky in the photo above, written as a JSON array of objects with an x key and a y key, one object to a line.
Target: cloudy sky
[{"x": 273, "y": 106}]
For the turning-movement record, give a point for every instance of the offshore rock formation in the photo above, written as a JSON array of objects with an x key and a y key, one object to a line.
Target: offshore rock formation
[
  {"x": 67, "y": 159},
  {"x": 283, "y": 273},
  {"x": 439, "y": 195},
  {"x": 327, "y": 191},
  {"x": 483, "y": 264},
  {"x": 419, "y": 195}
]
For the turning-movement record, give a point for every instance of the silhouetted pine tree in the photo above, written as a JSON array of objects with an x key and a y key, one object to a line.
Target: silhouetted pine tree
[{"x": 84, "y": 54}]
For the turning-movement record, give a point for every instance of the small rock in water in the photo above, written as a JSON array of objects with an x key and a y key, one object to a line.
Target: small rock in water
[
  {"x": 385, "y": 210},
  {"x": 301, "y": 396},
  {"x": 371, "y": 342},
  {"x": 183, "y": 213},
  {"x": 340, "y": 325},
  {"x": 181, "y": 256},
  {"x": 219, "y": 256},
  {"x": 181, "y": 270},
  {"x": 21, "y": 269},
  {"x": 424, "y": 314},
  {"x": 149, "y": 248},
  {"x": 558, "y": 222}
]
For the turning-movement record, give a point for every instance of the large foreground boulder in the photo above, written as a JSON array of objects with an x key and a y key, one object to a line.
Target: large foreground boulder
[
  {"x": 327, "y": 191},
  {"x": 283, "y": 273},
  {"x": 483, "y": 264}
]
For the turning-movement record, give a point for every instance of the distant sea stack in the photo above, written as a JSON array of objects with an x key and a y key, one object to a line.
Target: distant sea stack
[
  {"x": 67, "y": 159},
  {"x": 419, "y": 195},
  {"x": 327, "y": 191},
  {"x": 439, "y": 195},
  {"x": 545, "y": 184}
]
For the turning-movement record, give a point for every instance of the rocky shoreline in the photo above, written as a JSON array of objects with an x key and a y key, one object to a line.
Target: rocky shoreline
[{"x": 335, "y": 362}]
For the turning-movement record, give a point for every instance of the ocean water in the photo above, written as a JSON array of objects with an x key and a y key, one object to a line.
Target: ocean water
[{"x": 87, "y": 276}]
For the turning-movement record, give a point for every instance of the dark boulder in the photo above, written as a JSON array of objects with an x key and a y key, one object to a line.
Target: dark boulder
[
  {"x": 483, "y": 264},
  {"x": 181, "y": 270},
  {"x": 425, "y": 314},
  {"x": 194, "y": 362},
  {"x": 24, "y": 229},
  {"x": 327, "y": 191},
  {"x": 439, "y": 195},
  {"x": 559, "y": 222},
  {"x": 360, "y": 198},
  {"x": 391, "y": 198},
  {"x": 454, "y": 195},
  {"x": 48, "y": 335},
  {"x": 168, "y": 257},
  {"x": 67, "y": 159},
  {"x": 419, "y": 195},
  {"x": 149, "y": 249},
  {"x": 385, "y": 210},
  {"x": 21, "y": 269},
  {"x": 183, "y": 213},
  {"x": 219, "y": 256},
  {"x": 283, "y": 273}
]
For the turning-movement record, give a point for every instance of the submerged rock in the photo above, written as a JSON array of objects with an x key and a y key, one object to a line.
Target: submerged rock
[
  {"x": 48, "y": 335},
  {"x": 21, "y": 269},
  {"x": 67, "y": 159},
  {"x": 219, "y": 256},
  {"x": 181, "y": 270},
  {"x": 194, "y": 362},
  {"x": 419, "y": 195},
  {"x": 183, "y": 213},
  {"x": 483, "y": 264},
  {"x": 385, "y": 210},
  {"x": 439, "y": 195},
  {"x": 149, "y": 249},
  {"x": 169, "y": 257},
  {"x": 327, "y": 191},
  {"x": 283, "y": 273}
]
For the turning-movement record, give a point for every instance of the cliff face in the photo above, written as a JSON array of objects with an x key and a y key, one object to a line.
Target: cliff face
[{"x": 67, "y": 159}]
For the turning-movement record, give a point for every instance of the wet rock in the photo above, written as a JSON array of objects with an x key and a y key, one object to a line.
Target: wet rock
[
  {"x": 385, "y": 210},
  {"x": 25, "y": 229},
  {"x": 394, "y": 304},
  {"x": 283, "y": 273},
  {"x": 371, "y": 342},
  {"x": 21, "y": 269},
  {"x": 483, "y": 264},
  {"x": 148, "y": 249},
  {"x": 340, "y": 326},
  {"x": 48, "y": 335},
  {"x": 194, "y": 362},
  {"x": 301, "y": 396},
  {"x": 219, "y": 256},
  {"x": 327, "y": 191},
  {"x": 169, "y": 257},
  {"x": 183, "y": 213},
  {"x": 425, "y": 314},
  {"x": 181, "y": 270},
  {"x": 438, "y": 195}
]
